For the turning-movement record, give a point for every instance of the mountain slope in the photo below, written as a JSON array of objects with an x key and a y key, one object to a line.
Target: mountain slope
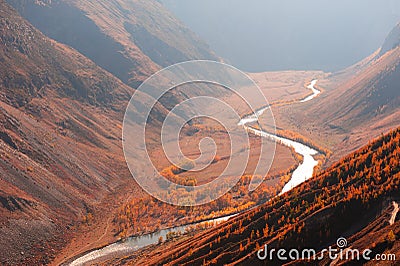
[
  {"x": 62, "y": 169},
  {"x": 130, "y": 39},
  {"x": 372, "y": 94},
  {"x": 349, "y": 199},
  {"x": 391, "y": 41},
  {"x": 61, "y": 160},
  {"x": 357, "y": 105}
]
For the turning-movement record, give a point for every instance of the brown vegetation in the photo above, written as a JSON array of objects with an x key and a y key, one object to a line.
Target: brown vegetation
[{"x": 343, "y": 198}]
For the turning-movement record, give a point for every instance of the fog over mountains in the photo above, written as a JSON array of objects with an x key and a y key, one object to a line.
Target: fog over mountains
[{"x": 264, "y": 35}]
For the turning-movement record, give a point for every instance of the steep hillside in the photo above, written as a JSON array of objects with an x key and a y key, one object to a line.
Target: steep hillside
[
  {"x": 130, "y": 39},
  {"x": 370, "y": 95},
  {"x": 61, "y": 160},
  {"x": 62, "y": 170},
  {"x": 351, "y": 199}
]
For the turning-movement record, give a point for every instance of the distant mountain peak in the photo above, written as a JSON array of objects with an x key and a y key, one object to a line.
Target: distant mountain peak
[{"x": 392, "y": 40}]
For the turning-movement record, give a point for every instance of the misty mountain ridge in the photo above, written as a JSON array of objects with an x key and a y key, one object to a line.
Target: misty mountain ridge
[
  {"x": 392, "y": 40},
  {"x": 268, "y": 35},
  {"x": 130, "y": 39}
]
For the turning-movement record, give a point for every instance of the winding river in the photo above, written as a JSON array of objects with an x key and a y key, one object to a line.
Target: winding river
[
  {"x": 302, "y": 173},
  {"x": 132, "y": 244},
  {"x": 305, "y": 170},
  {"x": 314, "y": 90}
]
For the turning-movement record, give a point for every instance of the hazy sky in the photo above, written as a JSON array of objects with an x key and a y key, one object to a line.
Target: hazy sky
[{"x": 261, "y": 35}]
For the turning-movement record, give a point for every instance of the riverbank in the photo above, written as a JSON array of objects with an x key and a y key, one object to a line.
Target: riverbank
[{"x": 302, "y": 173}]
